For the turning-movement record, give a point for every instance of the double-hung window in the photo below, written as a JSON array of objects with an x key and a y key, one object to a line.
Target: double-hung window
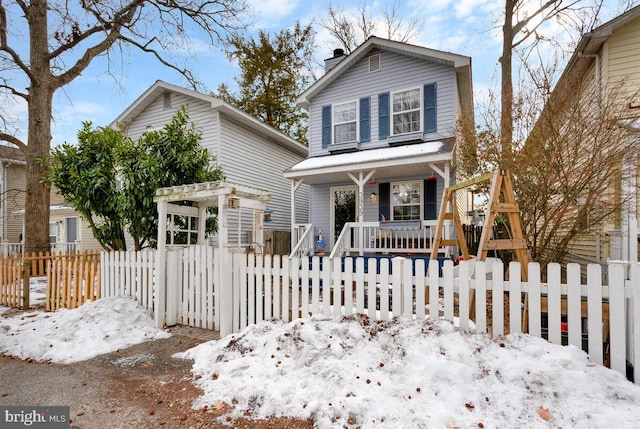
[
  {"x": 406, "y": 200},
  {"x": 345, "y": 124},
  {"x": 406, "y": 111}
]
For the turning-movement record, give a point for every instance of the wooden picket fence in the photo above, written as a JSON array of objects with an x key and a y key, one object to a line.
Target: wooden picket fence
[
  {"x": 72, "y": 279},
  {"x": 14, "y": 268}
]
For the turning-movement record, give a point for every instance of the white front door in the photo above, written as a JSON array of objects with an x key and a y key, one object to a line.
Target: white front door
[{"x": 344, "y": 208}]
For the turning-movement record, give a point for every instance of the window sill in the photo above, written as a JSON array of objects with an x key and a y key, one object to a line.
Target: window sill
[
  {"x": 343, "y": 147},
  {"x": 404, "y": 139}
]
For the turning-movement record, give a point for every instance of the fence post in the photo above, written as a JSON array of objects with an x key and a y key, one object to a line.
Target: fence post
[
  {"x": 174, "y": 270},
  {"x": 224, "y": 286},
  {"x": 26, "y": 283}
]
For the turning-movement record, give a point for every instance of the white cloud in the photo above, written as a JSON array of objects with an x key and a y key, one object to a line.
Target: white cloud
[{"x": 270, "y": 12}]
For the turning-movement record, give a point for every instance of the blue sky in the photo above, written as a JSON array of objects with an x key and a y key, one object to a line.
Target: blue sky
[{"x": 466, "y": 27}]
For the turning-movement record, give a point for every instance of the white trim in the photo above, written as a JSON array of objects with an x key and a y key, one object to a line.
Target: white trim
[
  {"x": 334, "y": 123},
  {"x": 420, "y": 203},
  {"x": 420, "y": 110}
]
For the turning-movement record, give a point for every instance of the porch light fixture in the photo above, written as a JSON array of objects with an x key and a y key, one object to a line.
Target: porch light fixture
[
  {"x": 373, "y": 196},
  {"x": 267, "y": 214},
  {"x": 233, "y": 201}
]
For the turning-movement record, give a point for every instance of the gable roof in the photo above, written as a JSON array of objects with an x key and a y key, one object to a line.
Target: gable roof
[
  {"x": 461, "y": 63},
  {"x": 160, "y": 87},
  {"x": 591, "y": 44}
]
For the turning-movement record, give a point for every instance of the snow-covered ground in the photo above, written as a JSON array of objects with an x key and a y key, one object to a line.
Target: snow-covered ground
[{"x": 358, "y": 373}]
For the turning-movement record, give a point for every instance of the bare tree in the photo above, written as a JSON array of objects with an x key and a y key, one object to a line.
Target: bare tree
[
  {"x": 63, "y": 38},
  {"x": 521, "y": 29},
  {"x": 352, "y": 31},
  {"x": 567, "y": 159}
]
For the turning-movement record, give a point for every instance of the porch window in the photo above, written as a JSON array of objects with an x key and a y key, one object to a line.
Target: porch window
[
  {"x": 406, "y": 110},
  {"x": 53, "y": 233},
  {"x": 406, "y": 200},
  {"x": 345, "y": 122}
]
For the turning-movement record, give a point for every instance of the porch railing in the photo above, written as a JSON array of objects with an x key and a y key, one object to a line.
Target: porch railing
[
  {"x": 7, "y": 248},
  {"x": 373, "y": 237},
  {"x": 302, "y": 235}
]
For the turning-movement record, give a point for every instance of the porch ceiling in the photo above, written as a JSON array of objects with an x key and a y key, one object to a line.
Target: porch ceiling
[{"x": 389, "y": 163}]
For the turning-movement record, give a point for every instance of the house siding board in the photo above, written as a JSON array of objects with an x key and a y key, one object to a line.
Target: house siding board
[
  {"x": 623, "y": 58},
  {"x": 249, "y": 159},
  {"x": 244, "y": 156},
  {"x": 155, "y": 117},
  {"x": 15, "y": 200},
  {"x": 398, "y": 72}
]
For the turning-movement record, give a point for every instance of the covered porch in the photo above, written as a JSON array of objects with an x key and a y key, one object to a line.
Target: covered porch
[{"x": 375, "y": 202}]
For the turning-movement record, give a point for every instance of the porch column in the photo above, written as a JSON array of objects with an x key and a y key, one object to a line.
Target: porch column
[
  {"x": 202, "y": 222},
  {"x": 360, "y": 181},
  {"x": 295, "y": 184}
]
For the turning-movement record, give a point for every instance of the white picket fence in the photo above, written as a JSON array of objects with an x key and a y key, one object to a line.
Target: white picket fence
[
  {"x": 129, "y": 274},
  {"x": 475, "y": 295}
]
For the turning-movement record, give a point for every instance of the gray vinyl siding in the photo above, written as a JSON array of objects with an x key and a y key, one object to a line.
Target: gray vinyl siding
[
  {"x": 397, "y": 72},
  {"x": 156, "y": 116},
  {"x": 251, "y": 159},
  {"x": 244, "y": 155}
]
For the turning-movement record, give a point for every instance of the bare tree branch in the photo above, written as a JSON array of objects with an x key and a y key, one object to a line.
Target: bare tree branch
[{"x": 13, "y": 140}]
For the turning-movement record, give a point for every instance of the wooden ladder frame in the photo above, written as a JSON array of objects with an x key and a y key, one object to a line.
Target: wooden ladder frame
[{"x": 501, "y": 185}]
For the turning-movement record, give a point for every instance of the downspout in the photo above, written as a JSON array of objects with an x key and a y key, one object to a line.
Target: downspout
[{"x": 598, "y": 78}]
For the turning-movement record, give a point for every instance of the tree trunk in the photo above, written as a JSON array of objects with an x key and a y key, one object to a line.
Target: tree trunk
[
  {"x": 40, "y": 106},
  {"x": 506, "y": 95}
]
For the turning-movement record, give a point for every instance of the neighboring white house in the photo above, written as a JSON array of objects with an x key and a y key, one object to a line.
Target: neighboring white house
[
  {"x": 249, "y": 151},
  {"x": 382, "y": 139}
]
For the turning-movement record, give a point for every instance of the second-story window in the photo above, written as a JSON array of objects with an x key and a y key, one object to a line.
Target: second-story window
[
  {"x": 406, "y": 111},
  {"x": 345, "y": 122}
]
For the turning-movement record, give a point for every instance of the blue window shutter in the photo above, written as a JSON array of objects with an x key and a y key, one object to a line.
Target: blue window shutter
[
  {"x": 430, "y": 202},
  {"x": 326, "y": 126},
  {"x": 430, "y": 113},
  {"x": 384, "y": 202},
  {"x": 383, "y": 116},
  {"x": 365, "y": 120}
]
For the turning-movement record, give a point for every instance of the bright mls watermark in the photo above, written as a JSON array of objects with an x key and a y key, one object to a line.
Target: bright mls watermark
[{"x": 54, "y": 417}]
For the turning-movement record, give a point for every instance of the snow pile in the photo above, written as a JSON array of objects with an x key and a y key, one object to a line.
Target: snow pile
[
  {"x": 367, "y": 374},
  {"x": 67, "y": 336}
]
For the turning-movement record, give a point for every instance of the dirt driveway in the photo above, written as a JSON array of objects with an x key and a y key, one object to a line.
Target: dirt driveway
[{"x": 142, "y": 386}]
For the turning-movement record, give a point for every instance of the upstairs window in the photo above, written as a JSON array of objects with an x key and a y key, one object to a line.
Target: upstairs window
[
  {"x": 406, "y": 200},
  {"x": 345, "y": 122},
  {"x": 406, "y": 111}
]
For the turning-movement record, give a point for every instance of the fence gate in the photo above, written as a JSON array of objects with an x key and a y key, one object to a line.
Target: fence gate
[{"x": 191, "y": 300}]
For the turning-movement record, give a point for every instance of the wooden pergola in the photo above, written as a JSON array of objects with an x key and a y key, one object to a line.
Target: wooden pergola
[{"x": 235, "y": 202}]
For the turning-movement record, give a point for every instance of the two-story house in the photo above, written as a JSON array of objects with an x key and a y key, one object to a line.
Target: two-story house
[
  {"x": 606, "y": 62},
  {"x": 248, "y": 151},
  {"x": 382, "y": 142}
]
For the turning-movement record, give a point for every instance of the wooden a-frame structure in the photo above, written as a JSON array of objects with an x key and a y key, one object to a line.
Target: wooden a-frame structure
[{"x": 501, "y": 186}]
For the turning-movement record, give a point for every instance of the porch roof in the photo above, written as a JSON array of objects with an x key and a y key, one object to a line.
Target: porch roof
[{"x": 389, "y": 163}]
